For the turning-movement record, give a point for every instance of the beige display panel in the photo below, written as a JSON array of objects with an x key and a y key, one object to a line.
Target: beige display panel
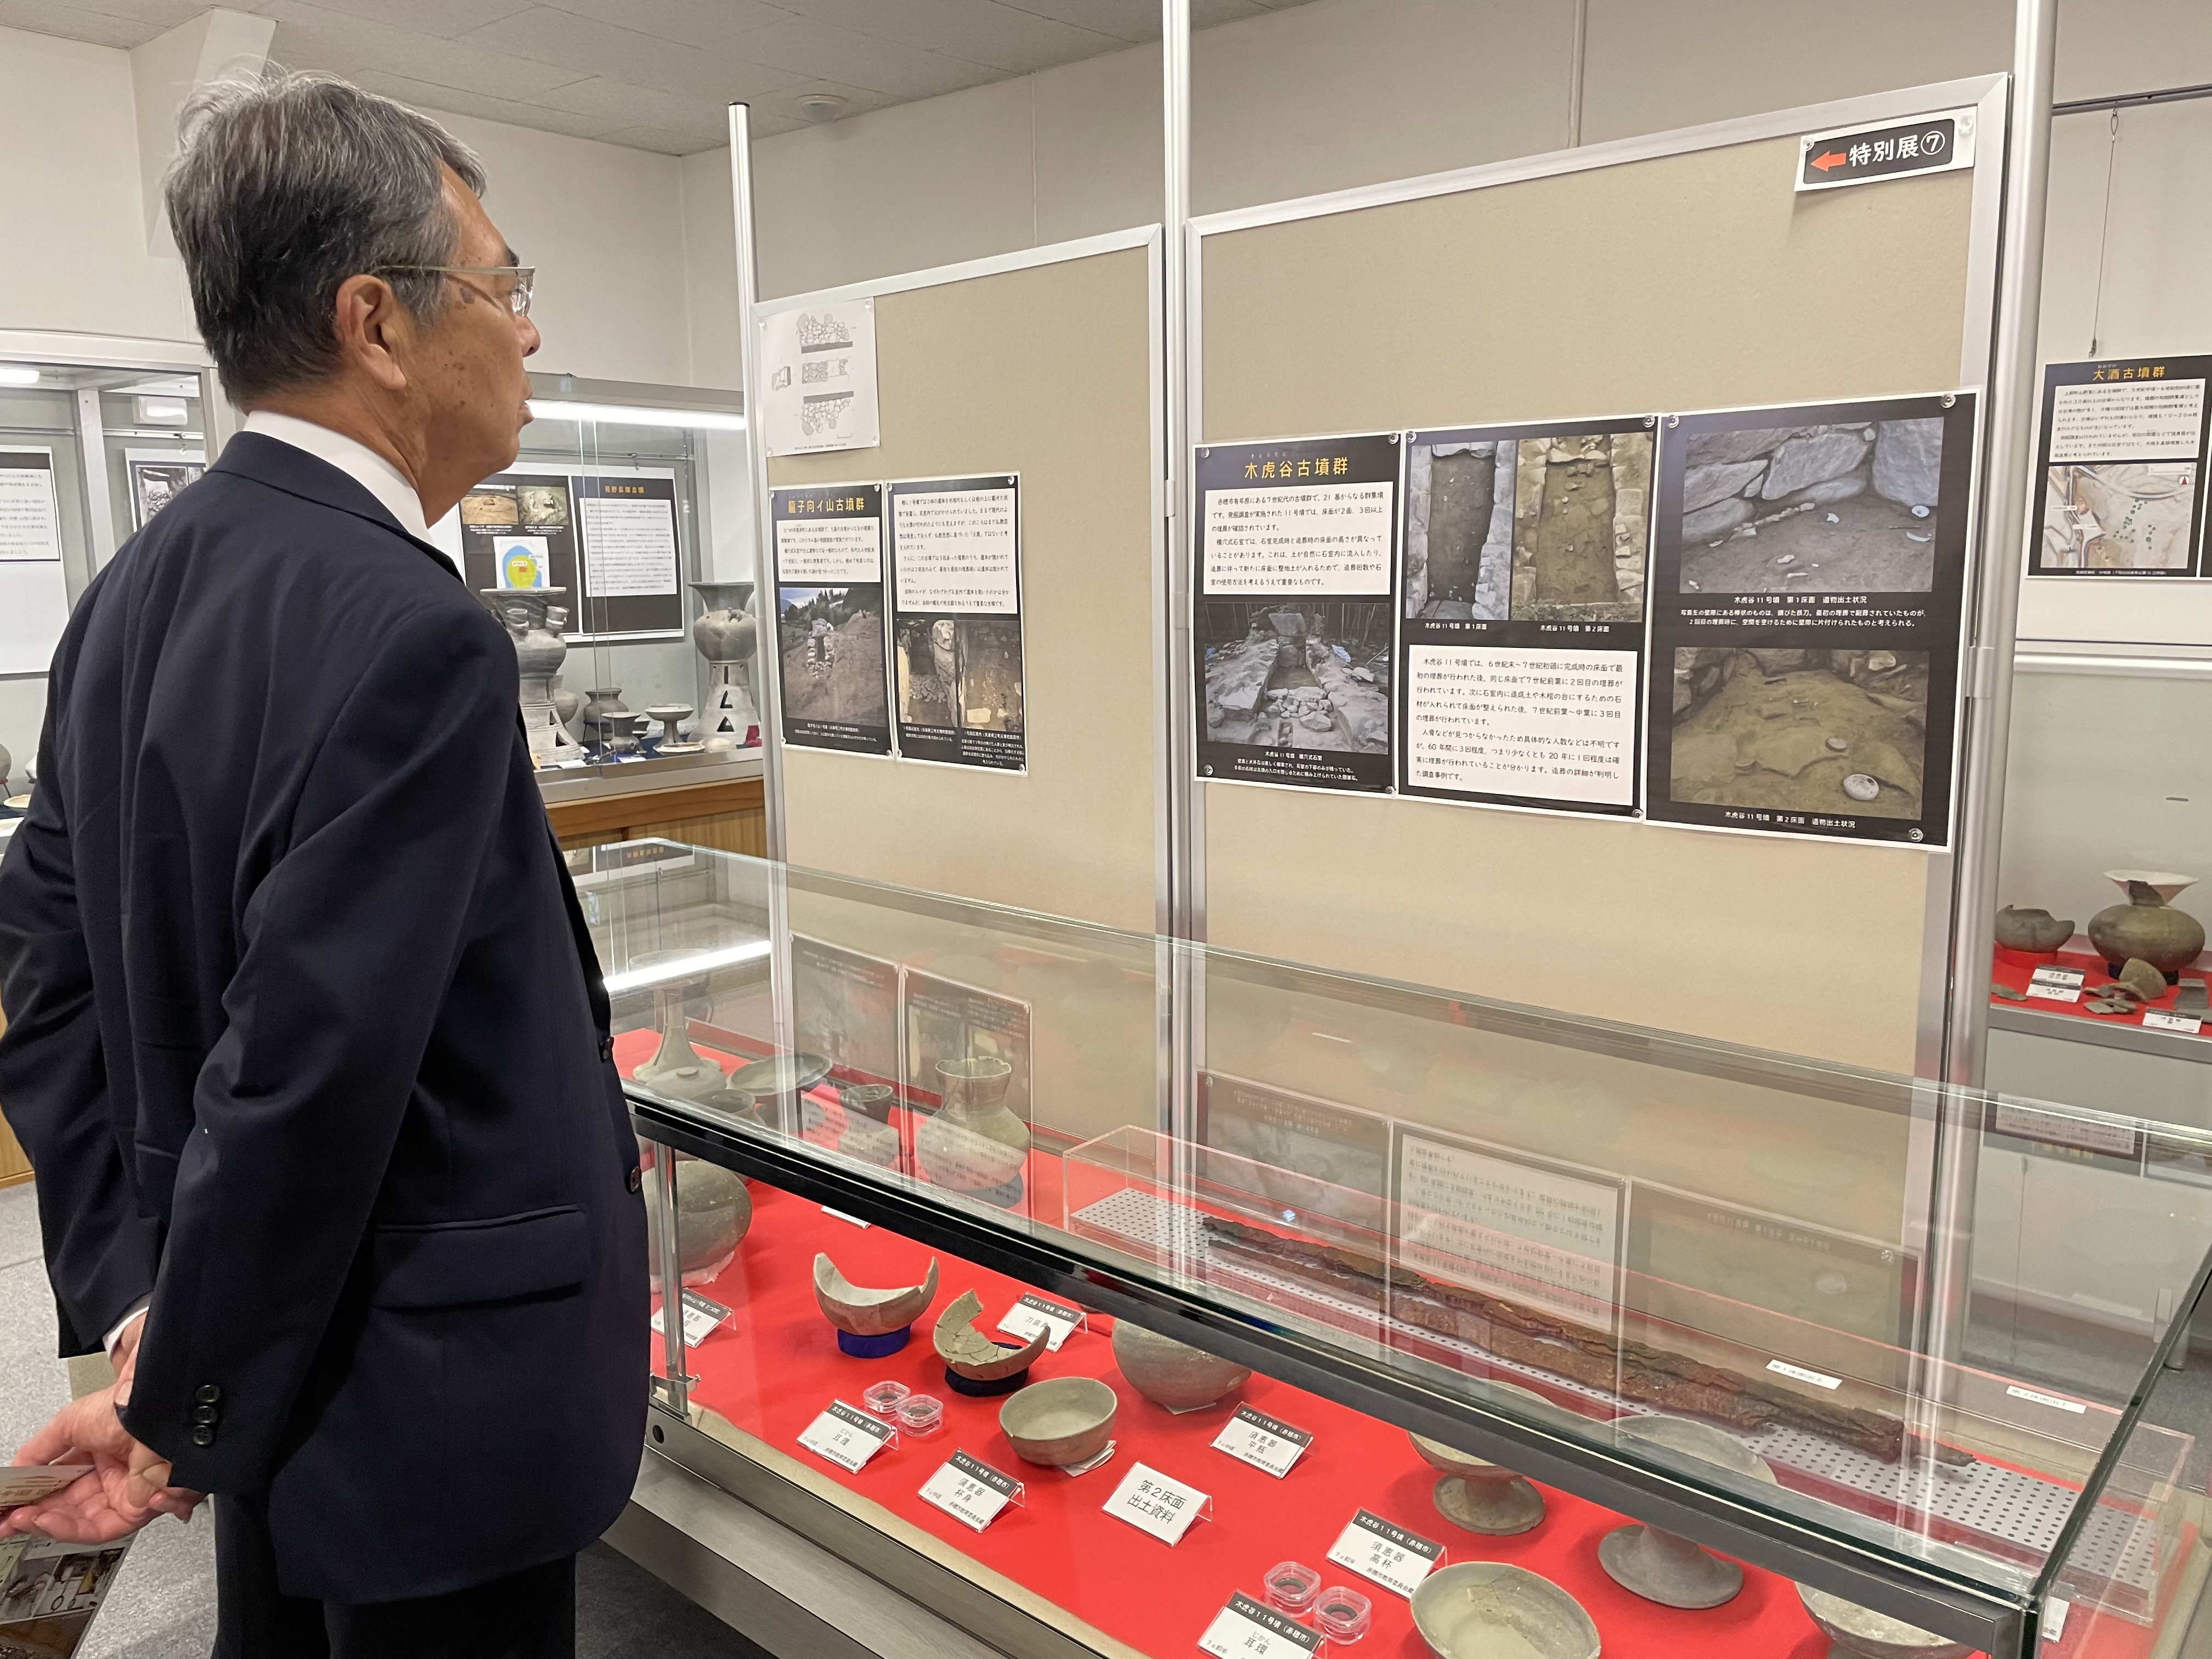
[
  {"x": 1047, "y": 372},
  {"x": 1677, "y": 282}
]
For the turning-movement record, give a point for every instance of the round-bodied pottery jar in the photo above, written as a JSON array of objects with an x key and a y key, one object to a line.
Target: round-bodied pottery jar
[
  {"x": 2148, "y": 925},
  {"x": 974, "y": 1143},
  {"x": 598, "y": 703},
  {"x": 713, "y": 1211},
  {"x": 2031, "y": 932},
  {"x": 1170, "y": 1373}
]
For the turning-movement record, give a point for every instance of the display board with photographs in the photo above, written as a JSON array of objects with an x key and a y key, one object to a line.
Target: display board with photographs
[
  {"x": 2123, "y": 466},
  {"x": 605, "y": 539},
  {"x": 157, "y": 476},
  {"x": 957, "y": 621},
  {"x": 845, "y": 1007},
  {"x": 1526, "y": 551},
  {"x": 1295, "y": 553},
  {"x": 1807, "y": 587},
  {"x": 964, "y": 1070},
  {"x": 830, "y": 616}
]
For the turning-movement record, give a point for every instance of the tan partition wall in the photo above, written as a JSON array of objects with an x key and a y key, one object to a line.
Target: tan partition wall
[
  {"x": 1682, "y": 282},
  {"x": 1049, "y": 372}
]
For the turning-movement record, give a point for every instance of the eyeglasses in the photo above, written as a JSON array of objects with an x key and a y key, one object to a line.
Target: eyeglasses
[{"x": 517, "y": 298}]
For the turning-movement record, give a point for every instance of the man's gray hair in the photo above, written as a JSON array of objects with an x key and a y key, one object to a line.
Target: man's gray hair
[{"x": 286, "y": 185}]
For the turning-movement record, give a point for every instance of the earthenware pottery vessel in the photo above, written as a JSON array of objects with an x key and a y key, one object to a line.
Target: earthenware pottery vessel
[
  {"x": 1860, "y": 1633},
  {"x": 621, "y": 727},
  {"x": 1663, "y": 1566},
  {"x": 967, "y": 1353},
  {"x": 867, "y": 1137},
  {"x": 1477, "y": 1495},
  {"x": 1480, "y": 1608},
  {"x": 712, "y": 1211},
  {"x": 675, "y": 1069},
  {"x": 726, "y": 636},
  {"x": 861, "y": 1312},
  {"x": 1066, "y": 1421},
  {"x": 533, "y": 620},
  {"x": 973, "y": 1143},
  {"x": 7, "y": 766},
  {"x": 671, "y": 714},
  {"x": 1170, "y": 1373},
  {"x": 598, "y": 705},
  {"x": 2037, "y": 932},
  {"x": 2148, "y": 925}
]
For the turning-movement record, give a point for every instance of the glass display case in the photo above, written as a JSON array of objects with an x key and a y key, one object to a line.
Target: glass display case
[{"x": 1115, "y": 1295}]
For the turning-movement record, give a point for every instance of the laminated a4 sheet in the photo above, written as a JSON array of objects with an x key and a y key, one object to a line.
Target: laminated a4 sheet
[
  {"x": 957, "y": 621},
  {"x": 1806, "y": 602},
  {"x": 1296, "y": 544},
  {"x": 830, "y": 616}
]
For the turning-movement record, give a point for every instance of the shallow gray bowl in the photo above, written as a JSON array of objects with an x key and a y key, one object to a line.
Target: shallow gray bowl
[
  {"x": 1066, "y": 1420},
  {"x": 780, "y": 1075},
  {"x": 1871, "y": 1635},
  {"x": 1483, "y": 1609}
]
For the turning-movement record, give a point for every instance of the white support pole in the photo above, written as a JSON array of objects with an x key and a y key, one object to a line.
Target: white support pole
[{"x": 770, "y": 654}]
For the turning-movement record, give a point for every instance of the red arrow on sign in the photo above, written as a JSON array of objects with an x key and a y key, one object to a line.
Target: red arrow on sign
[{"x": 1833, "y": 159}]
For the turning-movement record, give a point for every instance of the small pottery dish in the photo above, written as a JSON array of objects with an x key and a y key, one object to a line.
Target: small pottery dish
[
  {"x": 1480, "y": 1496},
  {"x": 1663, "y": 1566},
  {"x": 1066, "y": 1420},
  {"x": 1480, "y": 1608}
]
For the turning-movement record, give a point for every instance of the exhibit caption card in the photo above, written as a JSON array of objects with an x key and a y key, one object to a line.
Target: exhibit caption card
[
  {"x": 829, "y": 617},
  {"x": 701, "y": 1316},
  {"x": 957, "y": 621},
  {"x": 846, "y": 1436},
  {"x": 2124, "y": 461},
  {"x": 1391, "y": 1556},
  {"x": 1246, "y": 1630},
  {"x": 1293, "y": 625},
  {"x": 1256, "y": 1438},
  {"x": 970, "y": 1491},
  {"x": 1035, "y": 1313},
  {"x": 1158, "y": 1504},
  {"x": 1525, "y": 553},
  {"x": 1808, "y": 584}
]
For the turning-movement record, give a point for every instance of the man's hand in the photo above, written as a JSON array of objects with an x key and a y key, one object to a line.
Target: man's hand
[{"x": 125, "y": 1483}]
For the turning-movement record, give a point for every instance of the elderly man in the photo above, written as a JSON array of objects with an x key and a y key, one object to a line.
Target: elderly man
[{"x": 305, "y": 1037}]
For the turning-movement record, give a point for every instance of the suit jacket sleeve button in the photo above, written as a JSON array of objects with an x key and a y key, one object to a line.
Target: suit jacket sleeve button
[
  {"x": 637, "y": 1179},
  {"x": 607, "y": 1047},
  {"x": 207, "y": 1394},
  {"x": 207, "y": 1416},
  {"x": 204, "y": 1436}
]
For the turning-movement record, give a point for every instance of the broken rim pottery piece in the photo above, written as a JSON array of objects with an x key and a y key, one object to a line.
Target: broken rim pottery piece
[
  {"x": 986, "y": 1365},
  {"x": 713, "y": 1212},
  {"x": 1068, "y": 1421},
  {"x": 2034, "y": 930},
  {"x": 1479, "y": 1608},
  {"x": 1170, "y": 1373},
  {"x": 974, "y": 1143},
  {"x": 2148, "y": 925},
  {"x": 2143, "y": 981},
  {"x": 1662, "y": 1566},
  {"x": 1865, "y": 1634},
  {"x": 1477, "y": 1495},
  {"x": 870, "y": 1324}
]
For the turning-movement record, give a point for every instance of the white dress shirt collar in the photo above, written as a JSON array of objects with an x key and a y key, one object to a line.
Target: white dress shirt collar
[{"x": 351, "y": 457}]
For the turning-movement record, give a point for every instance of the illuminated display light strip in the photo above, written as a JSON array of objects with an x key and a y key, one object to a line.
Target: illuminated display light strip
[
  {"x": 546, "y": 409},
  {"x": 661, "y": 972}
]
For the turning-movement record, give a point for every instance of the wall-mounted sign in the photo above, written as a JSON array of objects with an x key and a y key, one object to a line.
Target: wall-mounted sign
[{"x": 1898, "y": 150}]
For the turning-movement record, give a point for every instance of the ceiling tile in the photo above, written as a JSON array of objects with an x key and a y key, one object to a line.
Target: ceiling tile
[
  {"x": 588, "y": 47},
  {"x": 313, "y": 37},
  {"x": 76, "y": 23},
  {"x": 455, "y": 100},
  {"x": 1125, "y": 20},
  {"x": 444, "y": 19},
  {"x": 1206, "y": 14},
  {"x": 622, "y": 104},
  {"x": 659, "y": 139},
  {"x": 688, "y": 22},
  {"x": 809, "y": 47},
  {"x": 1003, "y": 36}
]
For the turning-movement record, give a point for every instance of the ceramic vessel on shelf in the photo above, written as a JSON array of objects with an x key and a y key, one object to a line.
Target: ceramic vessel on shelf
[
  {"x": 866, "y": 1136},
  {"x": 1170, "y": 1373},
  {"x": 713, "y": 1212},
  {"x": 674, "y": 1068},
  {"x": 1663, "y": 1566},
  {"x": 971, "y": 1356},
  {"x": 671, "y": 715},
  {"x": 726, "y": 635},
  {"x": 566, "y": 705},
  {"x": 859, "y": 1311},
  {"x": 1066, "y": 1421},
  {"x": 2148, "y": 925},
  {"x": 974, "y": 1143},
  {"x": 1860, "y": 1633},
  {"x": 1480, "y": 1608},
  {"x": 1477, "y": 1495},
  {"x": 598, "y": 703},
  {"x": 621, "y": 727},
  {"x": 533, "y": 619},
  {"x": 2034, "y": 932}
]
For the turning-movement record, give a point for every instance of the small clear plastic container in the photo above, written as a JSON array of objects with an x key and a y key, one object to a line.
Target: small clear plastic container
[
  {"x": 1343, "y": 1614},
  {"x": 1292, "y": 1587},
  {"x": 884, "y": 1398},
  {"x": 920, "y": 1414}
]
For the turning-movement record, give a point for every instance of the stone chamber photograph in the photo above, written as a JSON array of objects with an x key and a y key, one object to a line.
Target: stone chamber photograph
[
  {"x": 1808, "y": 731},
  {"x": 2117, "y": 515},
  {"x": 832, "y": 641},
  {"x": 1297, "y": 674},
  {"x": 1847, "y": 508},
  {"x": 960, "y": 672}
]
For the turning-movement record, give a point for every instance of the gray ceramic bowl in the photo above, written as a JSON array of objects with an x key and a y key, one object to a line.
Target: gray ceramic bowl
[
  {"x": 1172, "y": 1373},
  {"x": 1481, "y": 1608},
  {"x": 1872, "y": 1634},
  {"x": 1066, "y": 1420}
]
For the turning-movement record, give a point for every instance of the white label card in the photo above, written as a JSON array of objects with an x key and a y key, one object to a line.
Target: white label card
[
  {"x": 701, "y": 1316},
  {"x": 970, "y": 1490},
  {"x": 2036, "y": 1397},
  {"x": 2054, "y": 1619},
  {"x": 839, "y": 1215},
  {"x": 2056, "y": 984},
  {"x": 1035, "y": 1313},
  {"x": 846, "y": 1436},
  {"x": 1246, "y": 1630},
  {"x": 1391, "y": 1556},
  {"x": 1818, "y": 1379},
  {"x": 1158, "y": 1504},
  {"x": 2165, "y": 1019},
  {"x": 1255, "y": 1438}
]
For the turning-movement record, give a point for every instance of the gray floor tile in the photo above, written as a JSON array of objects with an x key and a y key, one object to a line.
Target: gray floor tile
[
  {"x": 162, "y": 1606},
  {"x": 33, "y": 1383},
  {"x": 19, "y": 1225}
]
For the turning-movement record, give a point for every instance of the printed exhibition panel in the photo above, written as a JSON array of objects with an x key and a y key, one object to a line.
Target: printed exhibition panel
[
  {"x": 1296, "y": 551},
  {"x": 2123, "y": 469},
  {"x": 605, "y": 538},
  {"x": 1808, "y": 584},
  {"x": 1526, "y": 554},
  {"x": 957, "y": 621},
  {"x": 830, "y": 616},
  {"x": 156, "y": 477}
]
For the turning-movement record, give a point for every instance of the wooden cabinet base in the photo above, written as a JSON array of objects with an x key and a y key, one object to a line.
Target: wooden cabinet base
[{"x": 728, "y": 815}]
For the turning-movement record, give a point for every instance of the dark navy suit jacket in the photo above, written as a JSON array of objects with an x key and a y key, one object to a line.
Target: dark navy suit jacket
[{"x": 307, "y": 1038}]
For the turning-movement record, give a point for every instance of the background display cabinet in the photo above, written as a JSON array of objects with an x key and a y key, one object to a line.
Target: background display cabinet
[{"x": 1101, "y": 1294}]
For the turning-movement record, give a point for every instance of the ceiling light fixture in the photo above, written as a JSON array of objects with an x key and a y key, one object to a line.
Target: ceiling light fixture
[
  {"x": 546, "y": 409},
  {"x": 12, "y": 375},
  {"x": 821, "y": 107}
]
